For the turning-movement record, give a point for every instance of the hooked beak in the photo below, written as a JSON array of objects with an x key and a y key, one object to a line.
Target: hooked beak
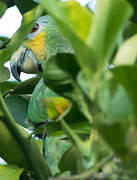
[
  {"x": 23, "y": 60},
  {"x": 15, "y": 70}
]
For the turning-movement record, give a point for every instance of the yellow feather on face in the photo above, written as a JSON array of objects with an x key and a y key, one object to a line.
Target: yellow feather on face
[{"x": 37, "y": 46}]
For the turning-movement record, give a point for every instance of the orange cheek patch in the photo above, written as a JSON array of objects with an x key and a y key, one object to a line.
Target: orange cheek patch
[{"x": 37, "y": 45}]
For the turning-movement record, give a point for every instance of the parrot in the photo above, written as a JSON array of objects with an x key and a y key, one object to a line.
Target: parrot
[{"x": 44, "y": 41}]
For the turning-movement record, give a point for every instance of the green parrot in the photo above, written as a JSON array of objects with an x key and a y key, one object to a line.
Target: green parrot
[{"x": 44, "y": 41}]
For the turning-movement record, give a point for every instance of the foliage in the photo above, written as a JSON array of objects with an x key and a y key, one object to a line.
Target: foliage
[{"x": 84, "y": 114}]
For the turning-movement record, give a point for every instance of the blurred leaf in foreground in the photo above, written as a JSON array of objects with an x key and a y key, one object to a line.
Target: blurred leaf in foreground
[
  {"x": 8, "y": 172},
  {"x": 4, "y": 73},
  {"x": 2, "y": 9}
]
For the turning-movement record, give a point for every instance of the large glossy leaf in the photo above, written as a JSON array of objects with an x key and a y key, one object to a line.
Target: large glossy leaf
[
  {"x": 9, "y": 172},
  {"x": 27, "y": 22},
  {"x": 126, "y": 76},
  {"x": 18, "y": 107},
  {"x": 127, "y": 53},
  {"x": 55, "y": 147},
  {"x": 26, "y": 87},
  {"x": 7, "y": 86},
  {"x": 4, "y": 73},
  {"x": 116, "y": 121},
  {"x": 110, "y": 19},
  {"x": 114, "y": 102},
  {"x": 24, "y": 5},
  {"x": 121, "y": 137},
  {"x": 10, "y": 149},
  {"x": 116, "y": 136}
]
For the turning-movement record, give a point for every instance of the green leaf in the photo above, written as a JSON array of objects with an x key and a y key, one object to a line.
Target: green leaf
[
  {"x": 126, "y": 76},
  {"x": 17, "y": 39},
  {"x": 116, "y": 136},
  {"x": 71, "y": 157},
  {"x": 127, "y": 53},
  {"x": 18, "y": 107},
  {"x": 56, "y": 106},
  {"x": 4, "y": 73},
  {"x": 110, "y": 19},
  {"x": 26, "y": 87},
  {"x": 134, "y": 4},
  {"x": 7, "y": 86},
  {"x": 114, "y": 102},
  {"x": 24, "y": 5},
  {"x": 3, "y": 41},
  {"x": 116, "y": 121},
  {"x": 10, "y": 149},
  {"x": 81, "y": 80},
  {"x": 55, "y": 77},
  {"x": 55, "y": 147},
  {"x": 8, "y": 3},
  {"x": 66, "y": 13},
  {"x": 55, "y": 128},
  {"x": 131, "y": 29},
  {"x": 8, "y": 172},
  {"x": 2, "y": 9},
  {"x": 75, "y": 28}
]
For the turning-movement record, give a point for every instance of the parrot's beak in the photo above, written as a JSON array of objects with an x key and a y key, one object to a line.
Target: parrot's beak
[
  {"x": 23, "y": 60},
  {"x": 15, "y": 70}
]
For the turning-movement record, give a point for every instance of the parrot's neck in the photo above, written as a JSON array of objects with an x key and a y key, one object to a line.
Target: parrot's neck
[
  {"x": 56, "y": 42},
  {"x": 47, "y": 43}
]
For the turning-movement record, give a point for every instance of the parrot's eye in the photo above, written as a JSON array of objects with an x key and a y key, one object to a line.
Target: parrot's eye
[{"x": 35, "y": 28}]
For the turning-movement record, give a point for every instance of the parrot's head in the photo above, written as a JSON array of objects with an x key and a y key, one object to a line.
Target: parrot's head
[{"x": 33, "y": 51}]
